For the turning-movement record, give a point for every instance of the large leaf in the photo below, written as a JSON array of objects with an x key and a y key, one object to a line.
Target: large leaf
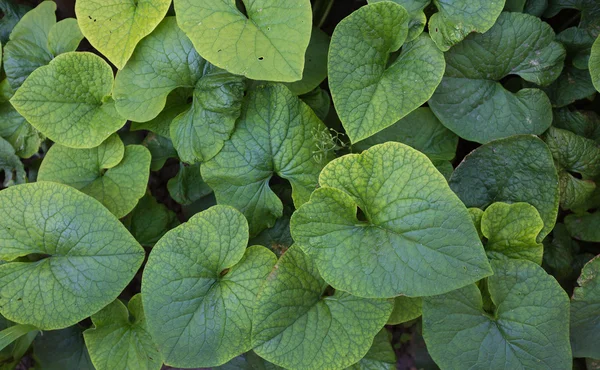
[
  {"x": 417, "y": 238},
  {"x": 368, "y": 94},
  {"x": 337, "y": 329},
  {"x": 199, "y": 287},
  {"x": 525, "y": 326},
  {"x": 119, "y": 338},
  {"x": 77, "y": 255},
  {"x": 516, "y": 169},
  {"x": 416, "y": 13},
  {"x": 69, "y": 100},
  {"x": 585, "y": 312},
  {"x": 595, "y": 64},
  {"x": 10, "y": 165},
  {"x": 471, "y": 101},
  {"x": 165, "y": 61},
  {"x": 114, "y": 174},
  {"x": 277, "y": 134},
  {"x": 268, "y": 42},
  {"x": 114, "y": 27},
  {"x": 61, "y": 350}
]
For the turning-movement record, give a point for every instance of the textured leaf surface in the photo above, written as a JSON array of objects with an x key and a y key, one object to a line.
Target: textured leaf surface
[
  {"x": 114, "y": 27},
  {"x": 405, "y": 309},
  {"x": 573, "y": 84},
  {"x": 188, "y": 186},
  {"x": 64, "y": 36},
  {"x": 471, "y": 102},
  {"x": 585, "y": 312},
  {"x": 69, "y": 100},
  {"x": 585, "y": 226},
  {"x": 10, "y": 165},
  {"x": 417, "y": 237},
  {"x": 315, "y": 64},
  {"x": 381, "y": 355},
  {"x": 199, "y": 287},
  {"x": 417, "y": 17},
  {"x": 268, "y": 42},
  {"x": 511, "y": 231},
  {"x": 114, "y": 174},
  {"x": 165, "y": 61},
  {"x": 117, "y": 342},
  {"x": 62, "y": 349},
  {"x": 150, "y": 220},
  {"x": 582, "y": 123},
  {"x": 516, "y": 169},
  {"x": 595, "y": 64},
  {"x": 338, "y": 329},
  {"x": 85, "y": 257},
  {"x": 368, "y": 94},
  {"x": 526, "y": 328},
  {"x": 277, "y": 134},
  {"x": 12, "y": 14}
]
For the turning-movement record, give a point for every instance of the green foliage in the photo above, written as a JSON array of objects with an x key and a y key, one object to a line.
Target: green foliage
[{"x": 585, "y": 310}]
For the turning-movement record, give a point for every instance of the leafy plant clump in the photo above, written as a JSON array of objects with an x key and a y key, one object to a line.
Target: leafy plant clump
[{"x": 300, "y": 184}]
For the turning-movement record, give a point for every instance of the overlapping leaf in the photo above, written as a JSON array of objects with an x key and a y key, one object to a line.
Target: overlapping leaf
[{"x": 585, "y": 312}]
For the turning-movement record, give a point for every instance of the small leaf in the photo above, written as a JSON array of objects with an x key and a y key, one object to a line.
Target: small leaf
[
  {"x": 64, "y": 37},
  {"x": 368, "y": 94},
  {"x": 585, "y": 226},
  {"x": 114, "y": 27},
  {"x": 405, "y": 309},
  {"x": 161, "y": 148},
  {"x": 471, "y": 101},
  {"x": 381, "y": 355},
  {"x": 582, "y": 123},
  {"x": 67, "y": 100},
  {"x": 417, "y": 17},
  {"x": 61, "y": 350},
  {"x": 338, "y": 329},
  {"x": 79, "y": 256},
  {"x": 188, "y": 186},
  {"x": 417, "y": 238},
  {"x": 12, "y": 333},
  {"x": 250, "y": 44},
  {"x": 573, "y": 84},
  {"x": 114, "y": 174},
  {"x": 559, "y": 253},
  {"x": 117, "y": 342},
  {"x": 11, "y": 165},
  {"x": 276, "y": 134},
  {"x": 199, "y": 287},
  {"x": 516, "y": 169},
  {"x": 12, "y": 14},
  {"x": 315, "y": 64},
  {"x": 527, "y": 327},
  {"x": 150, "y": 220},
  {"x": 585, "y": 311},
  {"x": 595, "y": 64}
]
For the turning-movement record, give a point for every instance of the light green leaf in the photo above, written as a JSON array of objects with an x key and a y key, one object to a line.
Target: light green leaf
[
  {"x": 115, "y": 27},
  {"x": 161, "y": 148},
  {"x": 575, "y": 193},
  {"x": 585, "y": 226},
  {"x": 79, "y": 256},
  {"x": 476, "y": 215},
  {"x": 12, "y": 333},
  {"x": 177, "y": 103},
  {"x": 188, "y": 186},
  {"x": 114, "y": 174},
  {"x": 69, "y": 100},
  {"x": 526, "y": 327},
  {"x": 381, "y": 355},
  {"x": 573, "y": 152},
  {"x": 119, "y": 338},
  {"x": 277, "y": 134},
  {"x": 595, "y": 64},
  {"x": 61, "y": 350},
  {"x": 315, "y": 64},
  {"x": 405, "y": 309},
  {"x": 163, "y": 62},
  {"x": 64, "y": 37},
  {"x": 415, "y": 9},
  {"x": 250, "y": 44},
  {"x": 11, "y": 165},
  {"x": 416, "y": 239},
  {"x": 471, "y": 101},
  {"x": 199, "y": 287},
  {"x": 511, "y": 231},
  {"x": 150, "y": 220},
  {"x": 368, "y": 94},
  {"x": 338, "y": 329},
  {"x": 516, "y": 169},
  {"x": 585, "y": 312},
  {"x": 573, "y": 84},
  {"x": 421, "y": 130}
]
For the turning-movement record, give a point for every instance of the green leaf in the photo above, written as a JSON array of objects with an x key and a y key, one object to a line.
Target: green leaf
[
  {"x": 476, "y": 215},
  {"x": 248, "y": 361},
  {"x": 338, "y": 329},
  {"x": 417, "y": 17},
  {"x": 161, "y": 148},
  {"x": 12, "y": 14},
  {"x": 79, "y": 256},
  {"x": 578, "y": 43},
  {"x": 69, "y": 100},
  {"x": 573, "y": 152},
  {"x": 115, "y": 27},
  {"x": 119, "y": 338},
  {"x": 64, "y": 37},
  {"x": 585, "y": 226},
  {"x": 573, "y": 84},
  {"x": 199, "y": 287},
  {"x": 368, "y": 94},
  {"x": 516, "y": 169},
  {"x": 511, "y": 231},
  {"x": 582, "y": 123},
  {"x": 250, "y": 44},
  {"x": 417, "y": 238},
  {"x": 163, "y": 62},
  {"x": 277, "y": 238},
  {"x": 150, "y": 220},
  {"x": 405, "y": 309},
  {"x": 473, "y": 103},
  {"x": 61, "y": 350},
  {"x": 315, "y": 64},
  {"x": 585, "y": 312},
  {"x": 188, "y": 186},
  {"x": 114, "y": 174},
  {"x": 12, "y": 333},
  {"x": 381, "y": 355},
  {"x": 11, "y": 165},
  {"x": 527, "y": 327},
  {"x": 559, "y": 253},
  {"x": 319, "y": 101},
  {"x": 575, "y": 193},
  {"x": 420, "y": 130},
  {"x": 589, "y": 17},
  {"x": 595, "y": 64},
  {"x": 177, "y": 103},
  {"x": 277, "y": 134}
]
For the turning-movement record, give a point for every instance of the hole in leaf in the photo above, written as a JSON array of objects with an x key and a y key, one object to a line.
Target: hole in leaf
[
  {"x": 241, "y": 7},
  {"x": 35, "y": 257},
  {"x": 328, "y": 292},
  {"x": 224, "y": 272},
  {"x": 360, "y": 215},
  {"x": 261, "y": 58}
]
